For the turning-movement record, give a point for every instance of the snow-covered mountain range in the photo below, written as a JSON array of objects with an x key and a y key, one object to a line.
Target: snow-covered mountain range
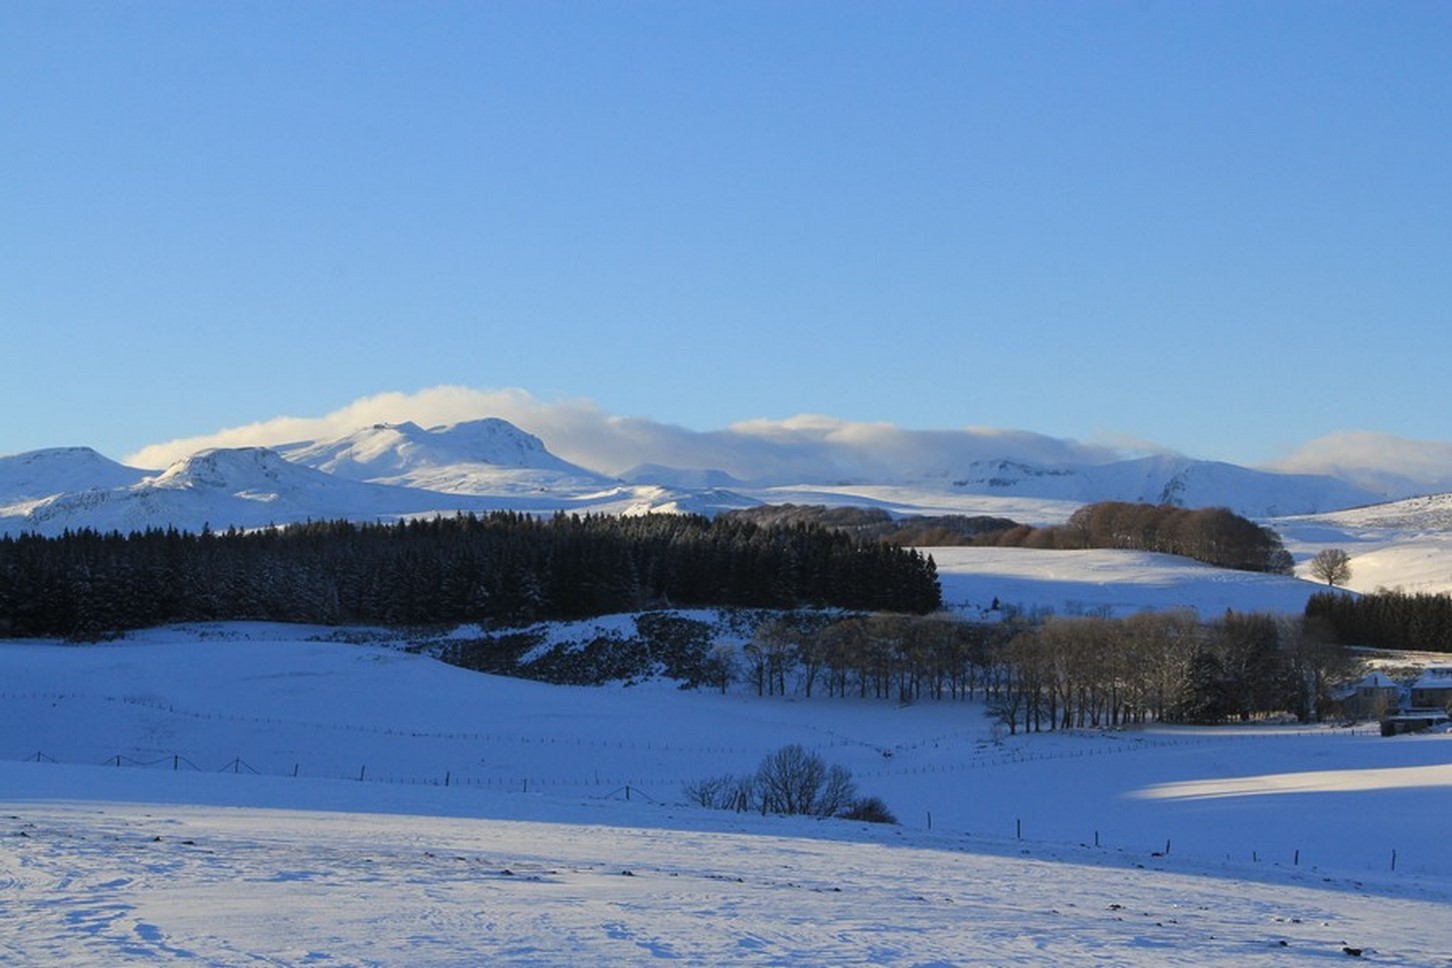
[{"x": 388, "y": 471}]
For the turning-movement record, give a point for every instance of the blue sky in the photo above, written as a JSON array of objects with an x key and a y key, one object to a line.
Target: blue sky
[{"x": 1223, "y": 228}]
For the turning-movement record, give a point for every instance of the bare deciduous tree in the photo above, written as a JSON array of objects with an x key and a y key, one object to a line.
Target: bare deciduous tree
[{"x": 1331, "y": 565}]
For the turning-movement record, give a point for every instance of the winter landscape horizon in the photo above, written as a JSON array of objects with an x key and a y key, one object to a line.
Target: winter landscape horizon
[
  {"x": 177, "y": 793},
  {"x": 749, "y": 483}
]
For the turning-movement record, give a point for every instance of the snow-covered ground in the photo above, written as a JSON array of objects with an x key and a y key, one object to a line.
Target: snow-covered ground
[
  {"x": 1404, "y": 545},
  {"x": 253, "y": 794},
  {"x": 1107, "y": 582}
]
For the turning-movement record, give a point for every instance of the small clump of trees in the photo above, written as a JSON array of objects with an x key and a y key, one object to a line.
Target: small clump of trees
[
  {"x": 791, "y": 781},
  {"x": 1215, "y": 536}
]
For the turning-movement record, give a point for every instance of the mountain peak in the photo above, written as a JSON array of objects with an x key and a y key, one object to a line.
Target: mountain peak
[
  {"x": 230, "y": 468},
  {"x": 450, "y": 457},
  {"x": 41, "y": 473}
]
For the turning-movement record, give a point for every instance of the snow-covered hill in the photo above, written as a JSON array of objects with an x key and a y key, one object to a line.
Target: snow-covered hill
[
  {"x": 255, "y": 794},
  {"x": 1402, "y": 545},
  {"x": 1429, "y": 514},
  {"x": 1166, "y": 480},
  {"x": 1119, "y": 583},
  {"x": 46, "y": 473},
  {"x": 246, "y": 487},
  {"x": 475, "y": 457}
]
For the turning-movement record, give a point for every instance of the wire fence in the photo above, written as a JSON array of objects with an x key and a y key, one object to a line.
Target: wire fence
[{"x": 973, "y": 753}]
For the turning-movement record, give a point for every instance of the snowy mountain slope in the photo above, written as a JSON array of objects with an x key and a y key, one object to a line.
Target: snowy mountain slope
[
  {"x": 244, "y": 487},
  {"x": 378, "y": 807},
  {"x": 45, "y": 473},
  {"x": 1405, "y": 545},
  {"x": 252, "y": 487},
  {"x": 488, "y": 456},
  {"x": 1166, "y": 480},
  {"x": 698, "y": 479},
  {"x": 1429, "y": 514},
  {"x": 388, "y": 471}
]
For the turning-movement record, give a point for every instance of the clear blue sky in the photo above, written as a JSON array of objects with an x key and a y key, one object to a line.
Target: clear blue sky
[{"x": 1222, "y": 227}]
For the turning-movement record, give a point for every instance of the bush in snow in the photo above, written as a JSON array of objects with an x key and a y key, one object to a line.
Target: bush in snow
[{"x": 791, "y": 780}]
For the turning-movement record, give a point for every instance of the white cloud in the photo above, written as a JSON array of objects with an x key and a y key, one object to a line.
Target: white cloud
[
  {"x": 1378, "y": 461},
  {"x": 807, "y": 447}
]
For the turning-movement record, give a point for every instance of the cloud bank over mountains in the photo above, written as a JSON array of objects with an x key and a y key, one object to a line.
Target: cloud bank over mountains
[
  {"x": 1376, "y": 461},
  {"x": 803, "y": 448},
  {"x": 799, "y": 448}
]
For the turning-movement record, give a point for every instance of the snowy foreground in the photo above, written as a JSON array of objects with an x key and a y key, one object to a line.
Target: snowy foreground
[{"x": 249, "y": 795}]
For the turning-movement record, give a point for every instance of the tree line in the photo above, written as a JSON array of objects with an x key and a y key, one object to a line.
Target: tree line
[
  {"x": 1050, "y": 673},
  {"x": 1215, "y": 536},
  {"x": 920, "y": 530},
  {"x": 499, "y": 568},
  {"x": 1392, "y": 620}
]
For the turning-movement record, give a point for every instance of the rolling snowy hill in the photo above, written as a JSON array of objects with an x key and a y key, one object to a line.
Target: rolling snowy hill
[
  {"x": 1402, "y": 545},
  {"x": 40, "y": 474},
  {"x": 232, "y": 794}
]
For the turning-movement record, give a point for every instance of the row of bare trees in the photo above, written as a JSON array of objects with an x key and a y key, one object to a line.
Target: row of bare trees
[
  {"x": 1058, "y": 673},
  {"x": 880, "y": 656}
]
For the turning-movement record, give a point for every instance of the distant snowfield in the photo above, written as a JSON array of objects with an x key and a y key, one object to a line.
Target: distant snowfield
[{"x": 282, "y": 800}]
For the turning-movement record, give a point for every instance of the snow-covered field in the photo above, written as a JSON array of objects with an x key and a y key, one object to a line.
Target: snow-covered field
[
  {"x": 1404, "y": 545},
  {"x": 251, "y": 794},
  {"x": 1107, "y": 582}
]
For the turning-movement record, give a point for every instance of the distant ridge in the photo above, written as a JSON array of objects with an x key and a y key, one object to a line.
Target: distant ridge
[
  {"x": 386, "y": 471},
  {"x": 246, "y": 487},
  {"x": 1165, "y": 479}
]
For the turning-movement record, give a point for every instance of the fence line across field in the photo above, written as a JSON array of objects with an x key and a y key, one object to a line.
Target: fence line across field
[{"x": 650, "y": 789}]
